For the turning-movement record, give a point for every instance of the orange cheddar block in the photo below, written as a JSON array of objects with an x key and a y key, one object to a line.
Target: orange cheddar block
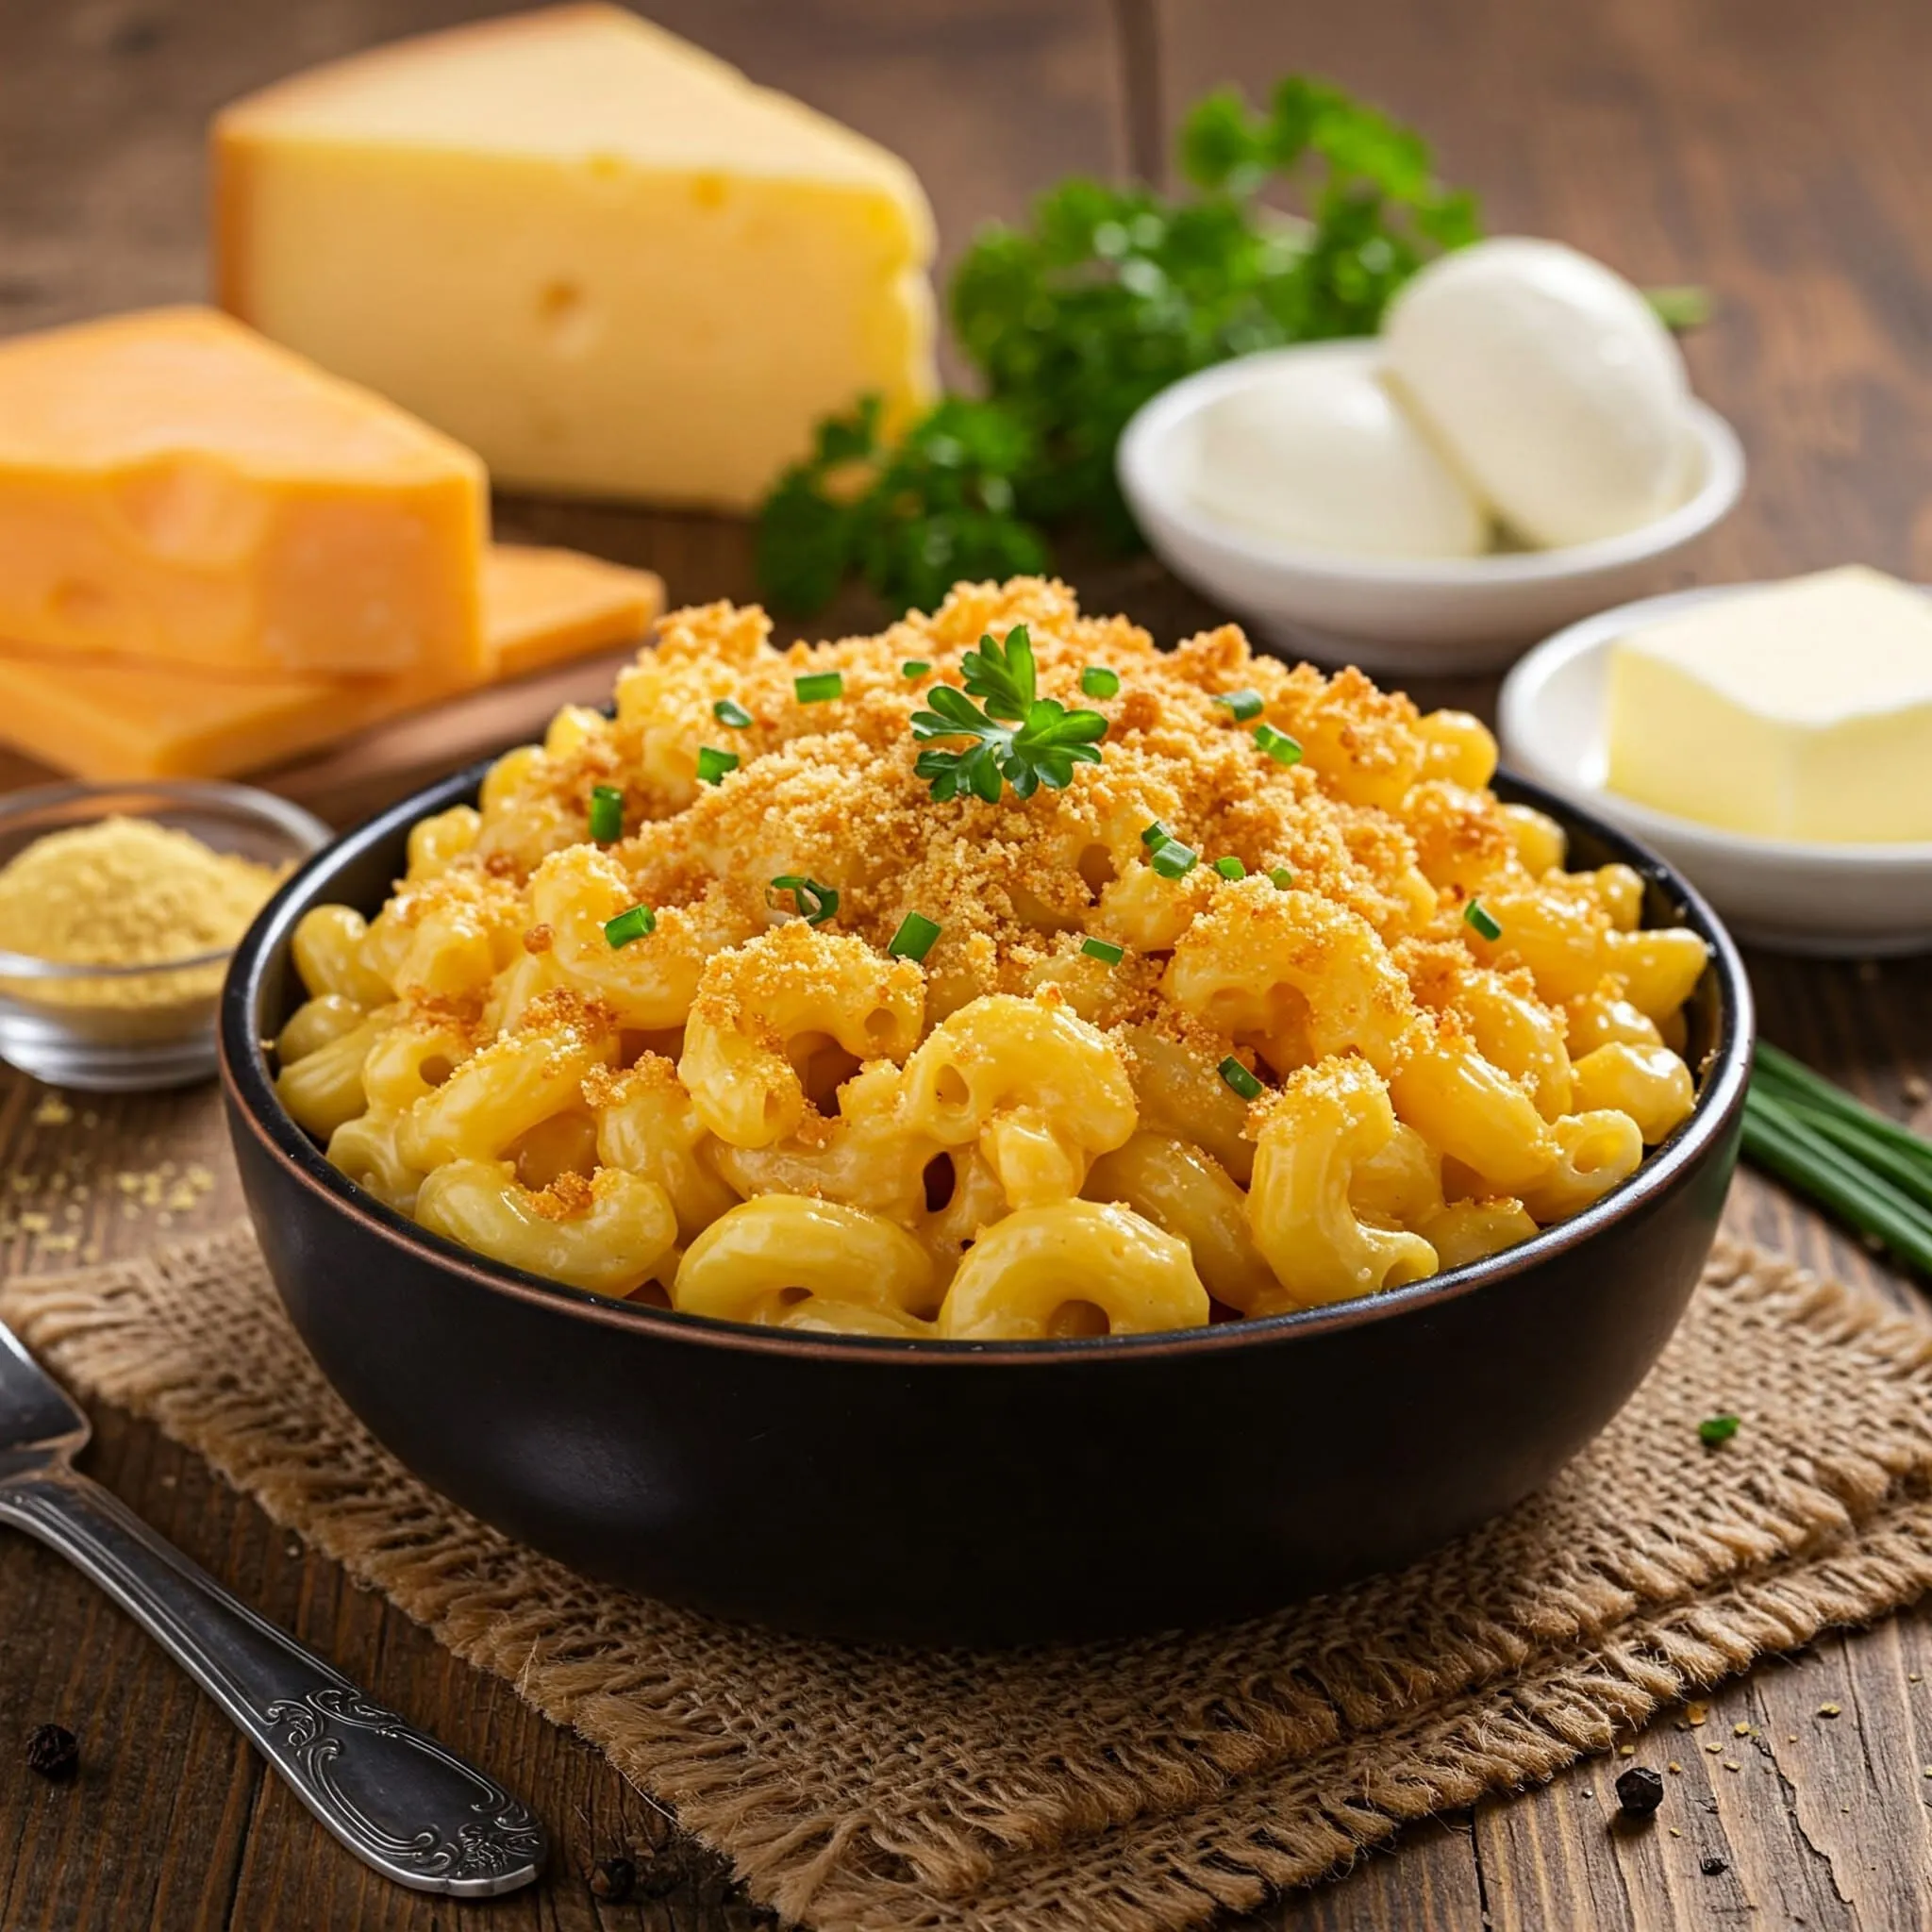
[
  {"x": 115, "y": 720},
  {"x": 543, "y": 606},
  {"x": 175, "y": 487}
]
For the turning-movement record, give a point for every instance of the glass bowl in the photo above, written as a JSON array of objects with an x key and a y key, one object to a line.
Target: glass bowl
[{"x": 124, "y": 1029}]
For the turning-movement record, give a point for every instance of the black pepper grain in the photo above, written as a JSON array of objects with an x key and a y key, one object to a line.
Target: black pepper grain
[
  {"x": 1640, "y": 1791},
  {"x": 612, "y": 1880},
  {"x": 1711, "y": 1865},
  {"x": 52, "y": 1751}
]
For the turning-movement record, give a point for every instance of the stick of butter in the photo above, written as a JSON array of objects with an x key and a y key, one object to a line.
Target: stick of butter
[
  {"x": 1803, "y": 710},
  {"x": 603, "y": 259}
]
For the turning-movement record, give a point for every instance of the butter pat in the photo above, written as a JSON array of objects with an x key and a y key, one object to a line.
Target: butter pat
[
  {"x": 125, "y": 720},
  {"x": 601, "y": 257},
  {"x": 1801, "y": 711},
  {"x": 176, "y": 488}
]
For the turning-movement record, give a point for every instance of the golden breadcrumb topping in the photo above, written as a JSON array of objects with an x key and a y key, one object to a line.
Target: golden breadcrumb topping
[{"x": 826, "y": 791}]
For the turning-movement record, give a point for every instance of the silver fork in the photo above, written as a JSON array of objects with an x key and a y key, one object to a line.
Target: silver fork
[{"x": 396, "y": 1798}]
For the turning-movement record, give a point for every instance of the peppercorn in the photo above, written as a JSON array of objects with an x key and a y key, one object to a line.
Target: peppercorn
[
  {"x": 611, "y": 1880},
  {"x": 52, "y": 1751},
  {"x": 1711, "y": 1865},
  {"x": 1640, "y": 1791}
]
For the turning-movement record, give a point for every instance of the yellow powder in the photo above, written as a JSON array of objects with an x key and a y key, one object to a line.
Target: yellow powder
[{"x": 126, "y": 891}]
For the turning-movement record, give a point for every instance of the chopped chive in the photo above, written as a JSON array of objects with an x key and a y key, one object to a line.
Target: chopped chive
[
  {"x": 729, "y": 712},
  {"x": 1097, "y": 681},
  {"x": 713, "y": 763},
  {"x": 630, "y": 925},
  {"x": 914, "y": 667},
  {"x": 819, "y": 686},
  {"x": 607, "y": 814},
  {"x": 1155, "y": 834},
  {"x": 1230, "y": 867},
  {"x": 1238, "y": 1077},
  {"x": 1105, "y": 950},
  {"x": 1714, "y": 1429},
  {"x": 1278, "y": 745},
  {"x": 816, "y": 902},
  {"x": 1174, "y": 860},
  {"x": 1280, "y": 877},
  {"x": 1479, "y": 918},
  {"x": 1244, "y": 704},
  {"x": 913, "y": 940}
]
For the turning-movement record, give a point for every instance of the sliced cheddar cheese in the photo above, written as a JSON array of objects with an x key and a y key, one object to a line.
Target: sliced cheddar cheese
[
  {"x": 176, "y": 488},
  {"x": 603, "y": 259},
  {"x": 121, "y": 720},
  {"x": 543, "y": 606}
]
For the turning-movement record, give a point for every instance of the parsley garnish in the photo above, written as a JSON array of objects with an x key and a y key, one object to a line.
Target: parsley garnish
[
  {"x": 1714, "y": 1429},
  {"x": 1071, "y": 320},
  {"x": 1024, "y": 741}
]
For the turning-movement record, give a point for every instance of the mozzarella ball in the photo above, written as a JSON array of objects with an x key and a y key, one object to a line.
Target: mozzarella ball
[
  {"x": 1550, "y": 382},
  {"x": 1316, "y": 454}
]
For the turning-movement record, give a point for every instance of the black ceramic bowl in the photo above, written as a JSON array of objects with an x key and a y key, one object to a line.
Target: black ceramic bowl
[{"x": 947, "y": 1491}]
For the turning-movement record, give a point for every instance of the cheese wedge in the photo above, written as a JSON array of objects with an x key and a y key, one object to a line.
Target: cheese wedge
[
  {"x": 1801, "y": 711},
  {"x": 601, "y": 257},
  {"x": 120, "y": 720},
  {"x": 176, "y": 488}
]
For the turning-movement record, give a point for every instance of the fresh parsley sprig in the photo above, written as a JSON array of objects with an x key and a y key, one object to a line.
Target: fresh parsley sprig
[
  {"x": 1072, "y": 319},
  {"x": 1019, "y": 737}
]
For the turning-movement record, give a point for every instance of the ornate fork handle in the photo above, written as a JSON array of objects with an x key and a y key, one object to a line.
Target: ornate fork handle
[{"x": 396, "y": 1798}]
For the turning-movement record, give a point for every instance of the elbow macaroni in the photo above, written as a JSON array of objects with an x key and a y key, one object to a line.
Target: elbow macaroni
[{"x": 760, "y": 1110}]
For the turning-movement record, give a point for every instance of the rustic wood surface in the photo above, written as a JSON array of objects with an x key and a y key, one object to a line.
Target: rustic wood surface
[{"x": 1772, "y": 149}]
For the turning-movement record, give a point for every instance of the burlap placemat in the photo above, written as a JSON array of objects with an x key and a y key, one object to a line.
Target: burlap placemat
[{"x": 1135, "y": 1786}]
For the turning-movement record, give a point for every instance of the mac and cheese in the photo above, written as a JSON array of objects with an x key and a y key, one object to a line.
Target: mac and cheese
[{"x": 1258, "y": 1001}]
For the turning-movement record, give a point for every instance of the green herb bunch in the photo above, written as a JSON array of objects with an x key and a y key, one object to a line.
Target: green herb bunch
[{"x": 1072, "y": 322}]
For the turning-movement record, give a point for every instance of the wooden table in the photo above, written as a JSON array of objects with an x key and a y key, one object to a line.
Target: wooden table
[{"x": 1772, "y": 149}]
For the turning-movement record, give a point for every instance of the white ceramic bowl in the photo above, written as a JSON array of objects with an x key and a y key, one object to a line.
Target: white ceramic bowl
[
  {"x": 1838, "y": 901},
  {"x": 1432, "y": 614}
]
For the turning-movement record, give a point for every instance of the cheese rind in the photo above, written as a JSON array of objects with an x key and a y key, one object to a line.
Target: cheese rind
[
  {"x": 174, "y": 487},
  {"x": 603, "y": 259},
  {"x": 122, "y": 720},
  {"x": 1799, "y": 712}
]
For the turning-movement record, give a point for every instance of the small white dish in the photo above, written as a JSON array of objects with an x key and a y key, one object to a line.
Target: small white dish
[
  {"x": 1796, "y": 896},
  {"x": 1427, "y": 614}
]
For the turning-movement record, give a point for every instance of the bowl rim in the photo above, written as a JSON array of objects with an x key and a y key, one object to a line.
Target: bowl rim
[
  {"x": 1525, "y": 690},
  {"x": 252, "y": 1100},
  {"x": 1141, "y": 479},
  {"x": 306, "y": 832}
]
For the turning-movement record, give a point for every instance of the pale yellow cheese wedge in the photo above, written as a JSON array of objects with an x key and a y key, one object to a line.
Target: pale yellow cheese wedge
[
  {"x": 600, "y": 257},
  {"x": 1801, "y": 711},
  {"x": 120, "y": 720},
  {"x": 175, "y": 487}
]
